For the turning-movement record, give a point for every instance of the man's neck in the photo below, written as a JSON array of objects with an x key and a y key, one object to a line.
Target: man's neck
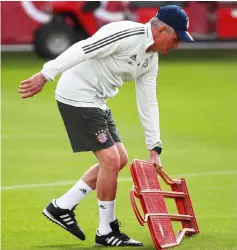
[{"x": 150, "y": 48}]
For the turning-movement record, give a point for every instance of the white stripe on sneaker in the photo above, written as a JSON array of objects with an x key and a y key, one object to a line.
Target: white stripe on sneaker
[
  {"x": 64, "y": 216},
  {"x": 118, "y": 243},
  {"x": 70, "y": 222},
  {"x": 67, "y": 219},
  {"x": 110, "y": 239},
  {"x": 113, "y": 243}
]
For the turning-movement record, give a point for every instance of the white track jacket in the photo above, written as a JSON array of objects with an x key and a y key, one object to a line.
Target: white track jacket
[{"x": 94, "y": 69}]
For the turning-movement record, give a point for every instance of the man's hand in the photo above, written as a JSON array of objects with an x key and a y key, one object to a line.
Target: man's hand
[
  {"x": 154, "y": 157},
  {"x": 32, "y": 86}
]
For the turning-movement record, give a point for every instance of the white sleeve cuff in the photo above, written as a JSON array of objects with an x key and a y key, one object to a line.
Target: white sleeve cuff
[{"x": 48, "y": 78}]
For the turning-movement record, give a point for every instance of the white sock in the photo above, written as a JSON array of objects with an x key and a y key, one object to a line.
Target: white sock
[
  {"x": 107, "y": 215},
  {"x": 74, "y": 195}
]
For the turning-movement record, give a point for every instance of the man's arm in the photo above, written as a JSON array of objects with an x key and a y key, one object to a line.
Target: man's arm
[
  {"x": 149, "y": 113},
  {"x": 104, "y": 42},
  {"x": 101, "y": 44}
]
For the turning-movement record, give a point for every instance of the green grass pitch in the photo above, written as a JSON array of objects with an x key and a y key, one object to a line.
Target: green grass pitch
[{"x": 197, "y": 101}]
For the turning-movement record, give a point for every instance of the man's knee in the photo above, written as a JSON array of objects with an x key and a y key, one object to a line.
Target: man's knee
[
  {"x": 109, "y": 158},
  {"x": 123, "y": 160},
  {"x": 112, "y": 162},
  {"x": 122, "y": 155}
]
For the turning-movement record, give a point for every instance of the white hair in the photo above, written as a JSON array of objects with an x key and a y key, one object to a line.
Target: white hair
[{"x": 156, "y": 23}]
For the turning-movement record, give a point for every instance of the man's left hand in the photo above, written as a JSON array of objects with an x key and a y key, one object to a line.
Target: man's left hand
[
  {"x": 155, "y": 158},
  {"x": 32, "y": 86}
]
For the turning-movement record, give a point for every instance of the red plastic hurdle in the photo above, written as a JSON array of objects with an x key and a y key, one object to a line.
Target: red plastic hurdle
[{"x": 147, "y": 189}]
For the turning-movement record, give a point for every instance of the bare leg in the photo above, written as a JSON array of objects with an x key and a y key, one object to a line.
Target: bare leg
[
  {"x": 90, "y": 176},
  {"x": 106, "y": 186},
  {"x": 88, "y": 182},
  {"x": 106, "y": 183}
]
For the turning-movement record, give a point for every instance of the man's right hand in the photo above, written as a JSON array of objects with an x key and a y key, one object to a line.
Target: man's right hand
[
  {"x": 32, "y": 86},
  {"x": 155, "y": 158}
]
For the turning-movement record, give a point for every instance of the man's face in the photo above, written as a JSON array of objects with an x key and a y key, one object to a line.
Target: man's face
[{"x": 164, "y": 40}]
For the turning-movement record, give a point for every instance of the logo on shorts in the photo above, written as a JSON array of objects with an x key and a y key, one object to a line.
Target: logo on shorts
[{"x": 101, "y": 136}]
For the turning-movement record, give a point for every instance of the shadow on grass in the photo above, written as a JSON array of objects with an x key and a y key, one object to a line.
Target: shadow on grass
[
  {"x": 77, "y": 247},
  {"x": 63, "y": 247}
]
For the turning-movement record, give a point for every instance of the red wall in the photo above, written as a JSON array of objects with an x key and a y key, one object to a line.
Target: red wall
[
  {"x": 20, "y": 19},
  {"x": 16, "y": 25}
]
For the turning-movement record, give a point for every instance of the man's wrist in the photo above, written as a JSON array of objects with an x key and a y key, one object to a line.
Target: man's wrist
[
  {"x": 47, "y": 78},
  {"x": 158, "y": 149}
]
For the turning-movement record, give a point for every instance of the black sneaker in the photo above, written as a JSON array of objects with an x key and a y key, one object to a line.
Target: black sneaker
[
  {"x": 64, "y": 218},
  {"x": 115, "y": 238}
]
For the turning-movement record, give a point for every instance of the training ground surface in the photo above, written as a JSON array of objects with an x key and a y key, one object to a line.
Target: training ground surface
[{"x": 197, "y": 100}]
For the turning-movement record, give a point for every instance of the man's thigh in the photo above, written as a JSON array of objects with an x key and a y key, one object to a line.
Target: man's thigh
[
  {"x": 87, "y": 128},
  {"x": 117, "y": 139},
  {"x": 112, "y": 127}
]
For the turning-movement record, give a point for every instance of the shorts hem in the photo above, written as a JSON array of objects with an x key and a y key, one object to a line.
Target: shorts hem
[{"x": 93, "y": 149}]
